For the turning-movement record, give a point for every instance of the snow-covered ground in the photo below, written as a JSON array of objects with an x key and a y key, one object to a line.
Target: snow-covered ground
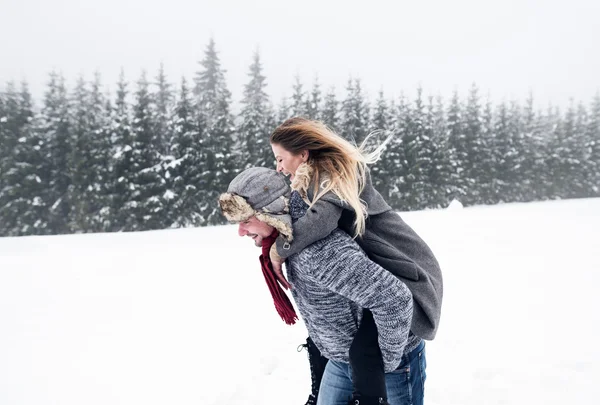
[{"x": 184, "y": 316}]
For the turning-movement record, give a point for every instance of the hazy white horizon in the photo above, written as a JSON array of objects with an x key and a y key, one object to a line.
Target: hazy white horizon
[{"x": 507, "y": 48}]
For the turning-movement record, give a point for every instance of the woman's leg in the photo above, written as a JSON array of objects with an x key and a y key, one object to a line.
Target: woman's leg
[
  {"x": 406, "y": 385},
  {"x": 336, "y": 385}
]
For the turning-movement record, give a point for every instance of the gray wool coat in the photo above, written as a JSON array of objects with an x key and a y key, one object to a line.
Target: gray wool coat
[{"x": 388, "y": 241}]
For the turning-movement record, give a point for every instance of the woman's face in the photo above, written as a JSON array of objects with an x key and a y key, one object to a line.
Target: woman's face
[{"x": 287, "y": 162}]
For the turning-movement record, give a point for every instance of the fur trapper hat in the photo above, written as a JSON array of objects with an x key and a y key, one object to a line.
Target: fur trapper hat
[{"x": 262, "y": 193}]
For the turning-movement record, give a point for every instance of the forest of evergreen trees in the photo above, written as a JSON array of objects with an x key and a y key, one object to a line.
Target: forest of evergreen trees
[{"x": 154, "y": 155}]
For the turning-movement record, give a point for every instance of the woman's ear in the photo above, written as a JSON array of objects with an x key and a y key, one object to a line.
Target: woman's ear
[{"x": 304, "y": 155}]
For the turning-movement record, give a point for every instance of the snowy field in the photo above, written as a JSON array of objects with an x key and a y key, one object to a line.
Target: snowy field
[{"x": 184, "y": 316}]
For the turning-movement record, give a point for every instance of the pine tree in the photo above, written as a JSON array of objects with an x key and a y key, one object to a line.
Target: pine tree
[
  {"x": 122, "y": 159},
  {"x": 313, "y": 102},
  {"x": 382, "y": 117},
  {"x": 256, "y": 120},
  {"x": 22, "y": 195},
  {"x": 580, "y": 154},
  {"x": 213, "y": 101},
  {"x": 434, "y": 129},
  {"x": 417, "y": 157},
  {"x": 567, "y": 155},
  {"x": 355, "y": 113},
  {"x": 186, "y": 171},
  {"x": 487, "y": 173},
  {"x": 284, "y": 111},
  {"x": 299, "y": 100},
  {"x": 81, "y": 157},
  {"x": 394, "y": 161},
  {"x": 99, "y": 190},
  {"x": 471, "y": 149},
  {"x": 90, "y": 158},
  {"x": 456, "y": 136},
  {"x": 506, "y": 150},
  {"x": 331, "y": 114},
  {"x": 57, "y": 138},
  {"x": 380, "y": 125},
  {"x": 163, "y": 97},
  {"x": 592, "y": 144},
  {"x": 146, "y": 207},
  {"x": 441, "y": 169}
]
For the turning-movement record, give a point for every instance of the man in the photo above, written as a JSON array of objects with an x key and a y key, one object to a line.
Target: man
[{"x": 333, "y": 281}]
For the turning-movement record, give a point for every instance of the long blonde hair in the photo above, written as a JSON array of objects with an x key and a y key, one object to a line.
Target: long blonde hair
[{"x": 337, "y": 165}]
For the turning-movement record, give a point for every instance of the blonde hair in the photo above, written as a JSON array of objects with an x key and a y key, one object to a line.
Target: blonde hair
[{"x": 336, "y": 164}]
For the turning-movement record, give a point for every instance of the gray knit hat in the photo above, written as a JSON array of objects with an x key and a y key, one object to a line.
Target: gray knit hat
[{"x": 262, "y": 193}]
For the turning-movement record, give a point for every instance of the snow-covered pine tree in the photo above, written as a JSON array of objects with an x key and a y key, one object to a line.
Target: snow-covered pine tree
[
  {"x": 534, "y": 153},
  {"x": 592, "y": 143},
  {"x": 81, "y": 159},
  {"x": 441, "y": 169},
  {"x": 4, "y": 152},
  {"x": 186, "y": 170},
  {"x": 505, "y": 155},
  {"x": 298, "y": 107},
  {"x": 90, "y": 158},
  {"x": 284, "y": 111},
  {"x": 456, "y": 136},
  {"x": 146, "y": 205},
  {"x": 518, "y": 154},
  {"x": 98, "y": 192},
  {"x": 380, "y": 127},
  {"x": 22, "y": 196},
  {"x": 488, "y": 165},
  {"x": 355, "y": 113},
  {"x": 163, "y": 97},
  {"x": 581, "y": 170},
  {"x": 313, "y": 101},
  {"x": 394, "y": 161},
  {"x": 417, "y": 153},
  {"x": 122, "y": 159},
  {"x": 471, "y": 151},
  {"x": 256, "y": 120},
  {"x": 331, "y": 111},
  {"x": 435, "y": 170},
  {"x": 54, "y": 127},
  {"x": 213, "y": 101}
]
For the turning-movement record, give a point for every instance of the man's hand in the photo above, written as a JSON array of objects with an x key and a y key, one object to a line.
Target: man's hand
[{"x": 277, "y": 262}]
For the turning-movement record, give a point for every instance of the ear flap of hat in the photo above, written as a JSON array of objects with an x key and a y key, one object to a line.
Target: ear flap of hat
[
  {"x": 235, "y": 208},
  {"x": 282, "y": 222}
]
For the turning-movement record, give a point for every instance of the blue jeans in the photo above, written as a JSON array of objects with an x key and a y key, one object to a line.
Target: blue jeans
[{"x": 405, "y": 385}]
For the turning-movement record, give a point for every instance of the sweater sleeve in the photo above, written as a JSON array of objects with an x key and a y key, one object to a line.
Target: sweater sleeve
[
  {"x": 347, "y": 271},
  {"x": 319, "y": 221}
]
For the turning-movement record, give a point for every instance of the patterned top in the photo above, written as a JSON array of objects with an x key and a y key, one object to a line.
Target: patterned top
[{"x": 333, "y": 280}]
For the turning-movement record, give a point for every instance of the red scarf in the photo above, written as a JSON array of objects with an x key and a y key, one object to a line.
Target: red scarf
[{"x": 284, "y": 307}]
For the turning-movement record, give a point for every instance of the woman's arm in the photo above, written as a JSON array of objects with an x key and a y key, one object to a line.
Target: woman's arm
[{"x": 319, "y": 221}]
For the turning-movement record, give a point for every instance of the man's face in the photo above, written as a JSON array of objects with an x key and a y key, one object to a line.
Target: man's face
[{"x": 255, "y": 229}]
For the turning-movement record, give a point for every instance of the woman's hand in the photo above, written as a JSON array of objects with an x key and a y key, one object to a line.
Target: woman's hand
[{"x": 277, "y": 262}]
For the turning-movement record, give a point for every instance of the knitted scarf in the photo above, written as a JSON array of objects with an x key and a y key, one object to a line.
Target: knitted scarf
[{"x": 284, "y": 307}]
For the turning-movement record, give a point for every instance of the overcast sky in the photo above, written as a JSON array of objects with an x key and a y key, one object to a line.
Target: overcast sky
[{"x": 507, "y": 47}]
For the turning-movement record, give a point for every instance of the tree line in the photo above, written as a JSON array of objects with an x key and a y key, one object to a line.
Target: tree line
[{"x": 154, "y": 155}]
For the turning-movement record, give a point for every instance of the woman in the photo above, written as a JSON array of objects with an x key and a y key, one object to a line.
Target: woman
[{"x": 332, "y": 177}]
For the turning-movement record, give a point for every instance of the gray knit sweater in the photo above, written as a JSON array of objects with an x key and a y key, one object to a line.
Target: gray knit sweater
[{"x": 333, "y": 280}]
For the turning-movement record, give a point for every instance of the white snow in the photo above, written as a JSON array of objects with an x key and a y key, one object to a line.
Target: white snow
[
  {"x": 184, "y": 316},
  {"x": 169, "y": 195},
  {"x": 455, "y": 205}
]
